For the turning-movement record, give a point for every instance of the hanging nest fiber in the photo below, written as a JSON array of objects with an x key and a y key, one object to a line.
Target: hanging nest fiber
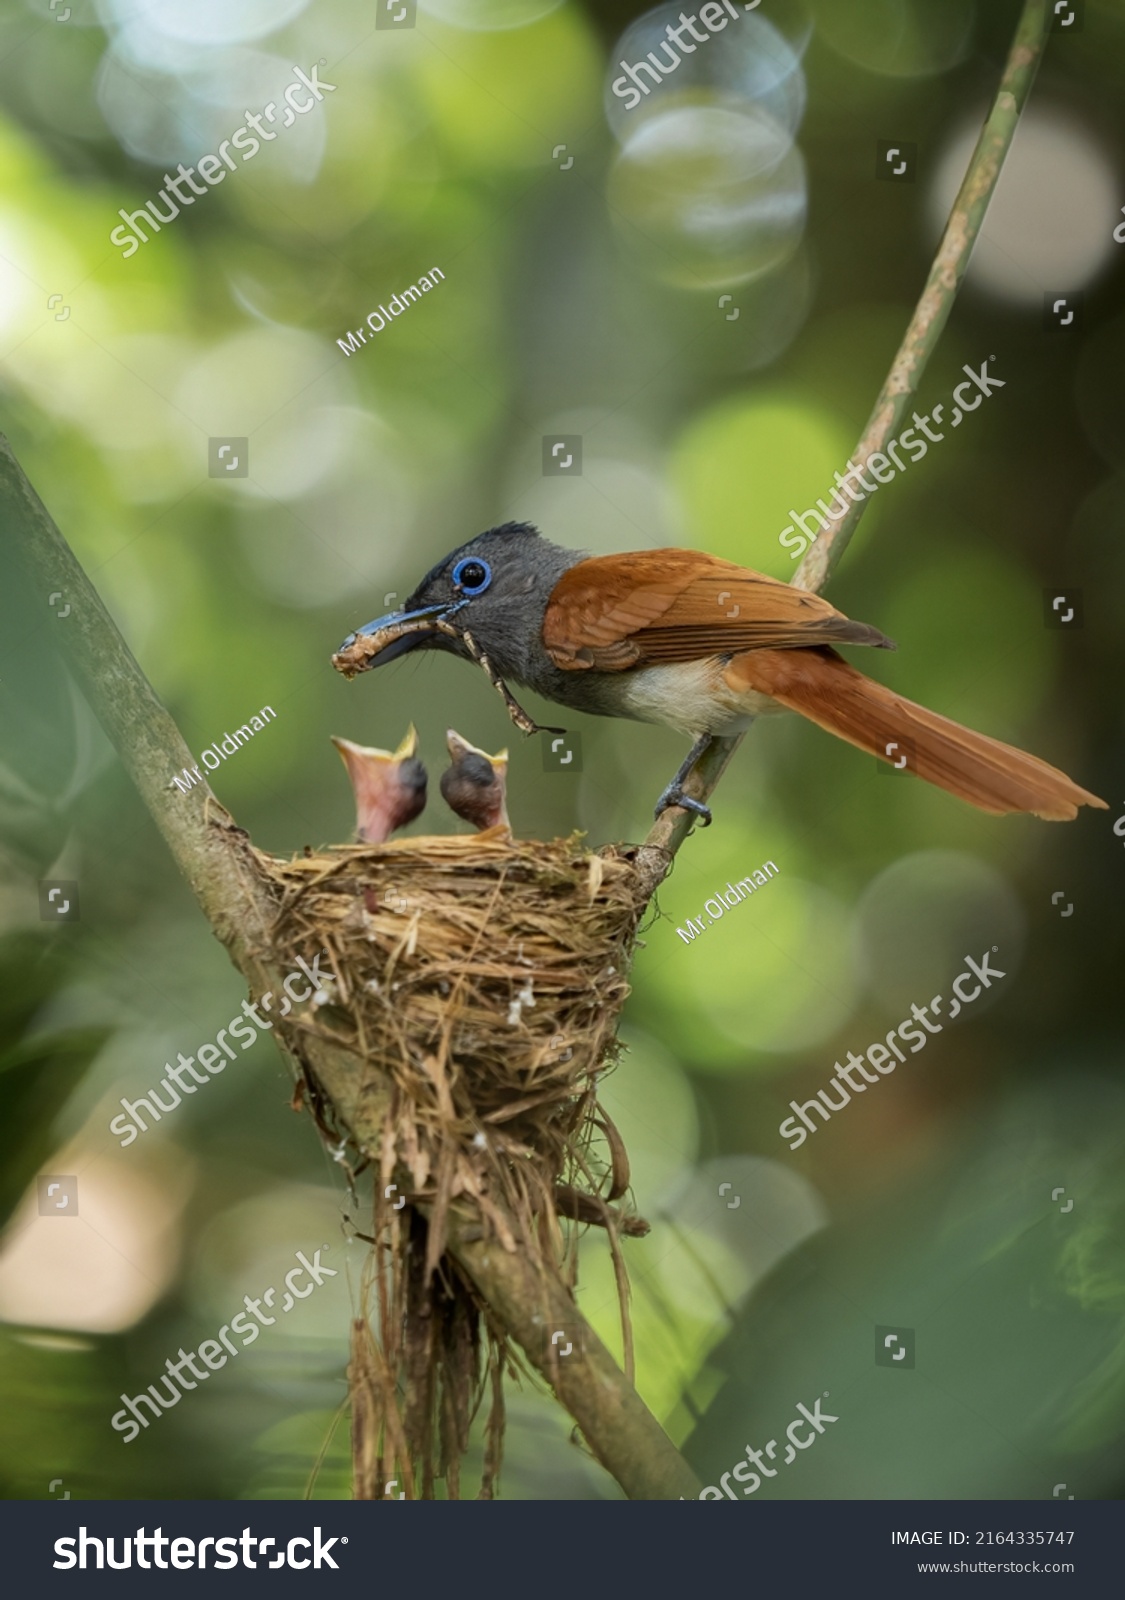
[{"x": 477, "y": 981}]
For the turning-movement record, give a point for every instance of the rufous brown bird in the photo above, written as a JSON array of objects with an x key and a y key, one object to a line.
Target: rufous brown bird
[
  {"x": 389, "y": 786},
  {"x": 683, "y": 638},
  {"x": 475, "y": 786}
]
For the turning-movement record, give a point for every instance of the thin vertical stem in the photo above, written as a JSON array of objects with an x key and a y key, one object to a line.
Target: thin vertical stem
[
  {"x": 930, "y": 316},
  {"x": 936, "y": 302}
]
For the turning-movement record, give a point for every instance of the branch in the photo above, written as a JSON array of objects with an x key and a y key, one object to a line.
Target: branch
[
  {"x": 950, "y": 264},
  {"x": 146, "y": 738},
  {"x": 930, "y": 316},
  {"x": 215, "y": 858},
  {"x": 621, "y": 1431}
]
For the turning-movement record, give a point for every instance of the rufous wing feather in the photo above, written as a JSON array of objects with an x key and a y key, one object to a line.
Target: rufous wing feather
[{"x": 658, "y": 607}]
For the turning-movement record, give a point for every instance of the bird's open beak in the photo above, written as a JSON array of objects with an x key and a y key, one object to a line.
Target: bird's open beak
[
  {"x": 382, "y": 801},
  {"x": 387, "y": 637}
]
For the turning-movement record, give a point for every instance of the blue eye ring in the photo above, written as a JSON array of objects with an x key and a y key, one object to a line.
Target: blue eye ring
[{"x": 477, "y": 584}]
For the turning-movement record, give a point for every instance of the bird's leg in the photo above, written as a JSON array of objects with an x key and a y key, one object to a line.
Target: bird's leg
[
  {"x": 518, "y": 715},
  {"x": 674, "y": 794}
]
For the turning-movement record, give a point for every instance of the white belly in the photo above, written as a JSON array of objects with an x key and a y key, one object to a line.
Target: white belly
[{"x": 692, "y": 698}]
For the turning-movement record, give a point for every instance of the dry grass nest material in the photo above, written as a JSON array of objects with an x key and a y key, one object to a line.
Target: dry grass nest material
[
  {"x": 476, "y": 984},
  {"x": 480, "y": 980}
]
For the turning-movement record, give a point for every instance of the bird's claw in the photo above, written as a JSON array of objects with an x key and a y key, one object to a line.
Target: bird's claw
[{"x": 675, "y": 796}]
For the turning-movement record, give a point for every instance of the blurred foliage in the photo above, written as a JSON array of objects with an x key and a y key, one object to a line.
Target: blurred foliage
[
  {"x": 37, "y": 1072},
  {"x": 577, "y": 299},
  {"x": 1017, "y": 1309}
]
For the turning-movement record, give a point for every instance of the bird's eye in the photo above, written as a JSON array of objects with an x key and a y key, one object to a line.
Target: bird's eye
[{"x": 472, "y": 576}]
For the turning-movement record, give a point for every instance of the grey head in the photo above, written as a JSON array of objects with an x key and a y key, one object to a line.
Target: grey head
[{"x": 495, "y": 587}]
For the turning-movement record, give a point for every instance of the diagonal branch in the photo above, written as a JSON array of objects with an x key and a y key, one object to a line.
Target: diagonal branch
[
  {"x": 145, "y": 736},
  {"x": 930, "y": 316}
]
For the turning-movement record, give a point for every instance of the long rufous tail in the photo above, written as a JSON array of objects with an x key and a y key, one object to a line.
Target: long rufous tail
[{"x": 996, "y": 777}]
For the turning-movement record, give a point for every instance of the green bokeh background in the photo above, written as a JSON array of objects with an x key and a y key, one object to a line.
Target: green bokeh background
[{"x": 928, "y": 1204}]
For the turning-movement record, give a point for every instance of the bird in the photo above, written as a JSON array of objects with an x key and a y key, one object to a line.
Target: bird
[
  {"x": 389, "y": 786},
  {"x": 475, "y": 786},
  {"x": 700, "y": 644}
]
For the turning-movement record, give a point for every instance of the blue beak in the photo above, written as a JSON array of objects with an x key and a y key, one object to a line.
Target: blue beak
[{"x": 413, "y": 632}]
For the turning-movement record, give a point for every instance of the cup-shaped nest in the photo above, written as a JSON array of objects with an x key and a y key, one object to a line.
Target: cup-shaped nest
[{"x": 477, "y": 981}]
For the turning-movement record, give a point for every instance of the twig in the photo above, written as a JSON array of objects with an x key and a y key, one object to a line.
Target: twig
[{"x": 930, "y": 316}]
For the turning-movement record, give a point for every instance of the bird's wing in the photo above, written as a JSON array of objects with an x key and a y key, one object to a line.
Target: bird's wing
[{"x": 653, "y": 607}]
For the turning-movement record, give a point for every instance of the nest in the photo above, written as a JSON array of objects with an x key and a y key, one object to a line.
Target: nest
[{"x": 478, "y": 980}]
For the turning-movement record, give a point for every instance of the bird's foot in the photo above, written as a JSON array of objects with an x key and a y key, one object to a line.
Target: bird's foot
[{"x": 675, "y": 796}]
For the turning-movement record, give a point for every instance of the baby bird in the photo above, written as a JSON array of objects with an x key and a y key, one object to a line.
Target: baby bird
[
  {"x": 475, "y": 786},
  {"x": 390, "y": 789}
]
